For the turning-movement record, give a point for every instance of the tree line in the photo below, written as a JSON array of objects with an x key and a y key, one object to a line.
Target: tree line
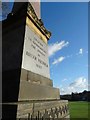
[{"x": 82, "y": 96}]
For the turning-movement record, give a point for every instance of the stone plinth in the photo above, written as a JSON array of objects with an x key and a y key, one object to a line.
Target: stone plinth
[
  {"x": 31, "y": 91},
  {"x": 35, "y": 78},
  {"x": 43, "y": 109}
]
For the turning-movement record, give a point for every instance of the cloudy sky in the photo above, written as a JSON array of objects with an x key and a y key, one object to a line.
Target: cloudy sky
[{"x": 68, "y": 46}]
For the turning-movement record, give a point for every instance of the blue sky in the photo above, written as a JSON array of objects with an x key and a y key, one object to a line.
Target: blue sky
[
  {"x": 68, "y": 45},
  {"x": 6, "y": 9}
]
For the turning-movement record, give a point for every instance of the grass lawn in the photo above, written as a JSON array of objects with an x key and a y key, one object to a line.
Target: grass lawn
[{"x": 78, "y": 109}]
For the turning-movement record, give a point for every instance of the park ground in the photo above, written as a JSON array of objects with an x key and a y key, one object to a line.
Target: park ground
[{"x": 79, "y": 110}]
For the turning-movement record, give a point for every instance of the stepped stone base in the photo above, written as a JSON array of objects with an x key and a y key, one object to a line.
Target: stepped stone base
[
  {"x": 43, "y": 109},
  {"x": 31, "y": 91},
  {"x": 35, "y": 78}
]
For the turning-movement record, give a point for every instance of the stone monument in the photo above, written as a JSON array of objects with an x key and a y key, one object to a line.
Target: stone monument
[{"x": 28, "y": 91}]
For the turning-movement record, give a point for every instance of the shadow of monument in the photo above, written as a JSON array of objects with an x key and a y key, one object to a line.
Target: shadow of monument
[{"x": 13, "y": 30}]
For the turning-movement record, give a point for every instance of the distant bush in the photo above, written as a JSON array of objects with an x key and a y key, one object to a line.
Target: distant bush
[{"x": 84, "y": 96}]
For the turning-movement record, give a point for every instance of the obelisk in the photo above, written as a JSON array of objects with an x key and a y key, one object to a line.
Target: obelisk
[{"x": 28, "y": 91}]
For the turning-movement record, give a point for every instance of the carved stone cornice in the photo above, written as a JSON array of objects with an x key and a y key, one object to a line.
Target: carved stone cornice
[{"x": 38, "y": 22}]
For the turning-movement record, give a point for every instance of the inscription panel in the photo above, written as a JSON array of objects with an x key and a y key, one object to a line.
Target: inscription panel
[{"x": 35, "y": 54}]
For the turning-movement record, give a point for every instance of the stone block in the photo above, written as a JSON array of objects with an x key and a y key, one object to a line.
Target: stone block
[
  {"x": 35, "y": 78},
  {"x": 30, "y": 91},
  {"x": 43, "y": 109}
]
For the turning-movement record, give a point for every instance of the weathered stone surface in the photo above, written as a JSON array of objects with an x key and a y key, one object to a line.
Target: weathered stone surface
[
  {"x": 35, "y": 78},
  {"x": 43, "y": 109},
  {"x": 30, "y": 91}
]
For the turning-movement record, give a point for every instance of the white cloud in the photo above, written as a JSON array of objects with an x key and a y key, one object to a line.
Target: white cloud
[
  {"x": 62, "y": 91},
  {"x": 67, "y": 90},
  {"x": 69, "y": 56},
  {"x": 81, "y": 51},
  {"x": 60, "y": 59},
  {"x": 53, "y": 48},
  {"x": 79, "y": 85},
  {"x": 71, "y": 89},
  {"x": 79, "y": 82},
  {"x": 64, "y": 79}
]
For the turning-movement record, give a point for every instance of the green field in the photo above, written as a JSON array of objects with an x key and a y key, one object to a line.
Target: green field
[{"x": 78, "y": 109}]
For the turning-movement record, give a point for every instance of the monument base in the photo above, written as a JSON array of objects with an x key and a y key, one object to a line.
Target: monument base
[
  {"x": 43, "y": 109},
  {"x": 34, "y": 91}
]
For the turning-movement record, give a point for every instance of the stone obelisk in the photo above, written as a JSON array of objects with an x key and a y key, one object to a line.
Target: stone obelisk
[{"x": 28, "y": 91}]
